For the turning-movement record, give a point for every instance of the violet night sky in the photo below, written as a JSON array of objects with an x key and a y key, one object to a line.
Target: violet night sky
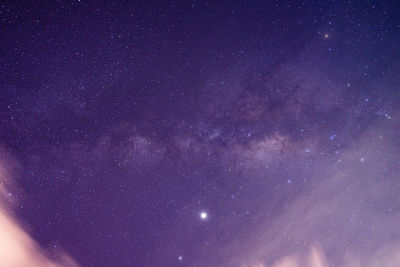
[{"x": 200, "y": 133}]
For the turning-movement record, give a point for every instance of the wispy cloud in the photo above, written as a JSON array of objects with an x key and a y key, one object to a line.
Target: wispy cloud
[{"x": 17, "y": 247}]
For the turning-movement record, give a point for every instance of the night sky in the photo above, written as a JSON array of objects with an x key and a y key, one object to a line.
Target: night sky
[{"x": 200, "y": 133}]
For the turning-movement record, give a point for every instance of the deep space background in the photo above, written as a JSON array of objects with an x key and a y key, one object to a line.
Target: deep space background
[{"x": 202, "y": 133}]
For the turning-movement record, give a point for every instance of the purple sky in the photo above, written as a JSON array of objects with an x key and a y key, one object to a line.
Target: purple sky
[{"x": 195, "y": 133}]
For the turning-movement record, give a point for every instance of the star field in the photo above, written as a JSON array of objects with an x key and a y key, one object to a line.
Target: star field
[{"x": 201, "y": 133}]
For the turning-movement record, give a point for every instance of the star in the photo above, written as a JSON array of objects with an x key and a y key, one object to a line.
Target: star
[
  {"x": 326, "y": 36},
  {"x": 180, "y": 258},
  {"x": 203, "y": 215}
]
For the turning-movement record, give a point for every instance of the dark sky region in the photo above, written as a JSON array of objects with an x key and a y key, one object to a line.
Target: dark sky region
[{"x": 200, "y": 133}]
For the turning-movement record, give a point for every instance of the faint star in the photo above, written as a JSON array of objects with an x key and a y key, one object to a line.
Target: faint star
[
  {"x": 326, "y": 36},
  {"x": 362, "y": 159},
  {"x": 180, "y": 258}
]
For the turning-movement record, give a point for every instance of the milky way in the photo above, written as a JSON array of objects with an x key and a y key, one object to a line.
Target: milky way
[{"x": 195, "y": 133}]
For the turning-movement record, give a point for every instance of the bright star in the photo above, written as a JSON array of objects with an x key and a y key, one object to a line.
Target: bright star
[
  {"x": 180, "y": 258},
  {"x": 326, "y": 36},
  {"x": 203, "y": 215}
]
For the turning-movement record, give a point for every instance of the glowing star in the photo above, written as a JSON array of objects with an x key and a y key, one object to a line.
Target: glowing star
[
  {"x": 326, "y": 36},
  {"x": 180, "y": 258},
  {"x": 203, "y": 215}
]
